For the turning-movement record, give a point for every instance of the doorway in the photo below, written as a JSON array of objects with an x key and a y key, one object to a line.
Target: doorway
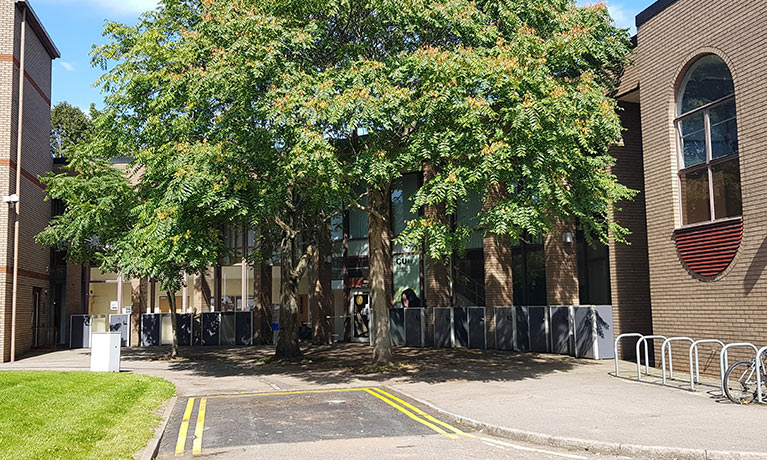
[{"x": 359, "y": 309}]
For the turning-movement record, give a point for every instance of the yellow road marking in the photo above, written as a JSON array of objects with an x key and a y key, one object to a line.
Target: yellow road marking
[
  {"x": 424, "y": 414},
  {"x": 181, "y": 443},
  {"x": 197, "y": 446},
  {"x": 412, "y": 415},
  {"x": 296, "y": 392}
]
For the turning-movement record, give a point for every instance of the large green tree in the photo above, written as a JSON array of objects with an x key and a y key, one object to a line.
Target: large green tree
[
  {"x": 69, "y": 126},
  {"x": 506, "y": 98}
]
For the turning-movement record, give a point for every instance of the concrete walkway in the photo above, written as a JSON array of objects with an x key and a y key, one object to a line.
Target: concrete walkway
[{"x": 554, "y": 400}]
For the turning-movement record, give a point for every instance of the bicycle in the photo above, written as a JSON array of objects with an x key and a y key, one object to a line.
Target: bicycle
[{"x": 740, "y": 381}]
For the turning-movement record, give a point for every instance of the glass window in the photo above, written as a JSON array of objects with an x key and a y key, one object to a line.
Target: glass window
[
  {"x": 467, "y": 214},
  {"x": 593, "y": 272},
  {"x": 358, "y": 221},
  {"x": 528, "y": 270},
  {"x": 709, "y": 172},
  {"x": 402, "y": 193}
]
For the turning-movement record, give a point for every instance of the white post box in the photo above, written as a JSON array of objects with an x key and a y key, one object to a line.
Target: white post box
[{"x": 105, "y": 352}]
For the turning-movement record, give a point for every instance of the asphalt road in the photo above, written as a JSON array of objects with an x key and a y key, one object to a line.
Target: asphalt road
[{"x": 370, "y": 423}]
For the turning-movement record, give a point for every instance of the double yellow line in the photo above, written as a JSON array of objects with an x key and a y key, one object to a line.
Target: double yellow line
[
  {"x": 418, "y": 415},
  {"x": 198, "y": 430},
  {"x": 402, "y": 406}
]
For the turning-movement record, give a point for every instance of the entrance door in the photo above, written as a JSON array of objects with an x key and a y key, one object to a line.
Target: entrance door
[
  {"x": 360, "y": 312},
  {"x": 40, "y": 320}
]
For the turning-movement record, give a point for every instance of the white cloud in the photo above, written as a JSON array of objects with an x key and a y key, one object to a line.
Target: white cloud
[
  {"x": 67, "y": 66},
  {"x": 114, "y": 8}
]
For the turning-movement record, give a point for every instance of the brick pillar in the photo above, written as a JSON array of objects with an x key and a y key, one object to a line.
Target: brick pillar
[
  {"x": 499, "y": 288},
  {"x": 437, "y": 273},
  {"x": 561, "y": 266},
  {"x": 262, "y": 299},
  {"x": 139, "y": 290},
  {"x": 202, "y": 292}
]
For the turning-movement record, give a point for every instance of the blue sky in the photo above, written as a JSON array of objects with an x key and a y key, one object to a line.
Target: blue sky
[{"x": 76, "y": 25}]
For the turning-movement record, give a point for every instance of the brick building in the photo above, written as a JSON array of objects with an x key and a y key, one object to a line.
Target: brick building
[{"x": 24, "y": 44}]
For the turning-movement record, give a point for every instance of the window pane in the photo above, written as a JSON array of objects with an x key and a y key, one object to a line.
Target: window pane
[
  {"x": 695, "y": 197},
  {"x": 358, "y": 221},
  {"x": 693, "y": 140},
  {"x": 467, "y": 214},
  {"x": 708, "y": 80},
  {"x": 402, "y": 193},
  {"x": 724, "y": 130},
  {"x": 726, "y": 178}
]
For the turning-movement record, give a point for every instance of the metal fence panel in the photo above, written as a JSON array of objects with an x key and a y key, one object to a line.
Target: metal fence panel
[
  {"x": 443, "y": 328},
  {"x": 504, "y": 328},
  {"x": 460, "y": 327},
  {"x": 477, "y": 329},
  {"x": 121, "y": 324},
  {"x": 560, "y": 330},
  {"x": 227, "y": 328},
  {"x": 184, "y": 329},
  {"x": 150, "y": 330},
  {"x": 414, "y": 327},
  {"x": 210, "y": 334},
  {"x": 80, "y": 331},
  {"x": 397, "y": 326},
  {"x": 538, "y": 329},
  {"x": 244, "y": 327},
  {"x": 605, "y": 331}
]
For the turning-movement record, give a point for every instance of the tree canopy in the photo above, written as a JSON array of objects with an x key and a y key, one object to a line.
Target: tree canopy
[{"x": 276, "y": 114}]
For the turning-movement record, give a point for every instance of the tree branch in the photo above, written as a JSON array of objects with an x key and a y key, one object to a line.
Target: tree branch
[
  {"x": 285, "y": 227},
  {"x": 368, "y": 210},
  {"x": 303, "y": 263}
]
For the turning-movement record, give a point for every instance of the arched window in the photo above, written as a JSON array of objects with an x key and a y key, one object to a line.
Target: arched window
[{"x": 707, "y": 133}]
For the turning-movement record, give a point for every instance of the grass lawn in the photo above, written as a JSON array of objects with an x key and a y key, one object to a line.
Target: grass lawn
[{"x": 78, "y": 415}]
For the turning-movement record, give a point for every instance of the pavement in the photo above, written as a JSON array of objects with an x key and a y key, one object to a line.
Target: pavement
[{"x": 562, "y": 405}]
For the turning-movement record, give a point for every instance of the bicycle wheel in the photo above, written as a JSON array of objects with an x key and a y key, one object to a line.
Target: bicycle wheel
[{"x": 740, "y": 382}]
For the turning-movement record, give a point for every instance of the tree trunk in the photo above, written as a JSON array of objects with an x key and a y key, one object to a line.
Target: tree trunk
[
  {"x": 379, "y": 235},
  {"x": 262, "y": 291},
  {"x": 173, "y": 325},
  {"x": 322, "y": 298},
  {"x": 287, "y": 341}
]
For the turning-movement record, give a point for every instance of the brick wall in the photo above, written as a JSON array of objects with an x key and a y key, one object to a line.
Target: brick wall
[
  {"x": 35, "y": 212},
  {"x": 561, "y": 266},
  {"x": 629, "y": 271},
  {"x": 733, "y": 306}
]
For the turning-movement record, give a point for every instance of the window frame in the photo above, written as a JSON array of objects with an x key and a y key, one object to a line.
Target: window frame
[{"x": 709, "y": 163}]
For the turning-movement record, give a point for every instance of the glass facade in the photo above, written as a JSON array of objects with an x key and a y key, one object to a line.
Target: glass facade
[{"x": 529, "y": 272}]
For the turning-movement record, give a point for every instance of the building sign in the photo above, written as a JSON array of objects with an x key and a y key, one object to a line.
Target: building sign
[
  {"x": 407, "y": 274},
  {"x": 114, "y": 305}
]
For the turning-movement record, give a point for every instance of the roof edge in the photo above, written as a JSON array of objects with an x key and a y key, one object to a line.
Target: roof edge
[
  {"x": 652, "y": 10},
  {"x": 38, "y": 27}
]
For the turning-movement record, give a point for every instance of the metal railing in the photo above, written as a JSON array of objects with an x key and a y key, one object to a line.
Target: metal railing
[
  {"x": 667, "y": 343},
  {"x": 644, "y": 340},
  {"x": 695, "y": 377},
  {"x": 615, "y": 349},
  {"x": 759, "y": 396}
]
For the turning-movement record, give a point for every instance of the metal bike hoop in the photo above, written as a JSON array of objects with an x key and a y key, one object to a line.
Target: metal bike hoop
[
  {"x": 695, "y": 378},
  {"x": 724, "y": 361},
  {"x": 644, "y": 340},
  {"x": 667, "y": 343},
  {"x": 759, "y": 395},
  {"x": 615, "y": 348}
]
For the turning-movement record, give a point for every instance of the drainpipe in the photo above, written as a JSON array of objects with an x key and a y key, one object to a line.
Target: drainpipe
[{"x": 18, "y": 184}]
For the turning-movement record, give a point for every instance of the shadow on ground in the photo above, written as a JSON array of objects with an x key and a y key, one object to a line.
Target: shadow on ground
[{"x": 343, "y": 363}]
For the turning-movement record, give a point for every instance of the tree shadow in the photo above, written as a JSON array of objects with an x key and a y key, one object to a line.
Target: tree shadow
[
  {"x": 755, "y": 270},
  {"x": 343, "y": 363}
]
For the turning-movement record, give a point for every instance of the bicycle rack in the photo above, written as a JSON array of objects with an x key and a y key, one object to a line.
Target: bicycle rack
[
  {"x": 724, "y": 361},
  {"x": 667, "y": 343},
  {"x": 695, "y": 378},
  {"x": 615, "y": 348},
  {"x": 759, "y": 374},
  {"x": 644, "y": 340}
]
